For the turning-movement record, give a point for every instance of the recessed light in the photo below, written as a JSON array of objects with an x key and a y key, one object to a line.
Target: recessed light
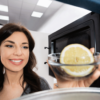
[
  {"x": 4, "y": 17},
  {"x": 3, "y": 8},
  {"x": 37, "y": 14},
  {"x": 44, "y": 3}
]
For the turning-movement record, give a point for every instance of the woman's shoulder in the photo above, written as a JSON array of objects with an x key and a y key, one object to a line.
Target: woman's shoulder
[{"x": 44, "y": 84}]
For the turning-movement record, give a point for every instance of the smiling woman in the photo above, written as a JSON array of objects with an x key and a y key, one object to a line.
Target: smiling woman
[{"x": 18, "y": 61}]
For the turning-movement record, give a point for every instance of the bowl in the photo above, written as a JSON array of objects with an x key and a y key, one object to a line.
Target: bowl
[
  {"x": 62, "y": 70},
  {"x": 64, "y": 94}
]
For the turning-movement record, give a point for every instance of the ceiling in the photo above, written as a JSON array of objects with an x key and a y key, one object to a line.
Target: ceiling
[{"x": 19, "y": 11}]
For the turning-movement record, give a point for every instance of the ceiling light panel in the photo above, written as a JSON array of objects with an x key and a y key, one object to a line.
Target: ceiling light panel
[
  {"x": 3, "y": 8},
  {"x": 37, "y": 14},
  {"x": 44, "y": 3},
  {"x": 4, "y": 17}
]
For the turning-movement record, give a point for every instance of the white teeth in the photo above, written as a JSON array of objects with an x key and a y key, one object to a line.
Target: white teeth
[{"x": 16, "y": 60}]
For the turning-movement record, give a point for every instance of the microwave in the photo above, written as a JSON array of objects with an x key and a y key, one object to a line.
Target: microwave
[{"x": 85, "y": 31}]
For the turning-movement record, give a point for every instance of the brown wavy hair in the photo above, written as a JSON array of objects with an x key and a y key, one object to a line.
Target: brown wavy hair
[{"x": 29, "y": 76}]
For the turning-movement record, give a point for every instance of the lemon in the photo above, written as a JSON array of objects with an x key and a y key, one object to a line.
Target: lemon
[{"x": 76, "y": 54}]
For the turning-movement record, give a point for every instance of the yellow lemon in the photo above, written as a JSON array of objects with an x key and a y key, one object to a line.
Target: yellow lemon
[{"x": 76, "y": 54}]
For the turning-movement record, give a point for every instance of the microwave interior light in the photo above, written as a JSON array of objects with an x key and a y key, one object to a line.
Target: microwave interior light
[
  {"x": 4, "y": 17},
  {"x": 4, "y": 8},
  {"x": 44, "y": 3},
  {"x": 37, "y": 14}
]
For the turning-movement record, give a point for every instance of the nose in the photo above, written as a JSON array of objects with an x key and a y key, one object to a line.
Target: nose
[{"x": 18, "y": 51}]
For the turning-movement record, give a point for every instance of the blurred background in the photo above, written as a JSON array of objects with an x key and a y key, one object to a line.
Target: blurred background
[{"x": 42, "y": 18}]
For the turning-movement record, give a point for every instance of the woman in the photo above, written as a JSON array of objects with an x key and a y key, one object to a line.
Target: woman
[{"x": 18, "y": 61}]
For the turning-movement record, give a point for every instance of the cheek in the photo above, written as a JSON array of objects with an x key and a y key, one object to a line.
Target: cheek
[{"x": 5, "y": 54}]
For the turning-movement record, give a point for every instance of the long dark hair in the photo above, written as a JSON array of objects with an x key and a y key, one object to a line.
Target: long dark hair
[{"x": 30, "y": 77}]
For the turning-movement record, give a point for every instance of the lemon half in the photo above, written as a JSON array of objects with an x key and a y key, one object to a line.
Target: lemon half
[{"x": 76, "y": 54}]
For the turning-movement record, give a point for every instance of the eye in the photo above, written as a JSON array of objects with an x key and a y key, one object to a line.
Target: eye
[
  {"x": 25, "y": 47},
  {"x": 9, "y": 46}
]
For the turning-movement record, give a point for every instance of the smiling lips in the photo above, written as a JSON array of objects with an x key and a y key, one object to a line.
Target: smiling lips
[{"x": 16, "y": 61}]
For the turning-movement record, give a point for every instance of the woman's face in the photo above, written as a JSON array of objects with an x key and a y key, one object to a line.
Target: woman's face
[{"x": 14, "y": 51}]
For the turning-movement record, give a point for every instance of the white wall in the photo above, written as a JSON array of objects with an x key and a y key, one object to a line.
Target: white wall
[
  {"x": 41, "y": 41},
  {"x": 64, "y": 16}
]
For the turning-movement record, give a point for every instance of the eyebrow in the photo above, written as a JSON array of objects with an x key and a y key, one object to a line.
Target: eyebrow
[{"x": 14, "y": 42}]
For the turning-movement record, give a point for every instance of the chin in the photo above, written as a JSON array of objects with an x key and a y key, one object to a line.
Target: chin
[{"x": 15, "y": 69}]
